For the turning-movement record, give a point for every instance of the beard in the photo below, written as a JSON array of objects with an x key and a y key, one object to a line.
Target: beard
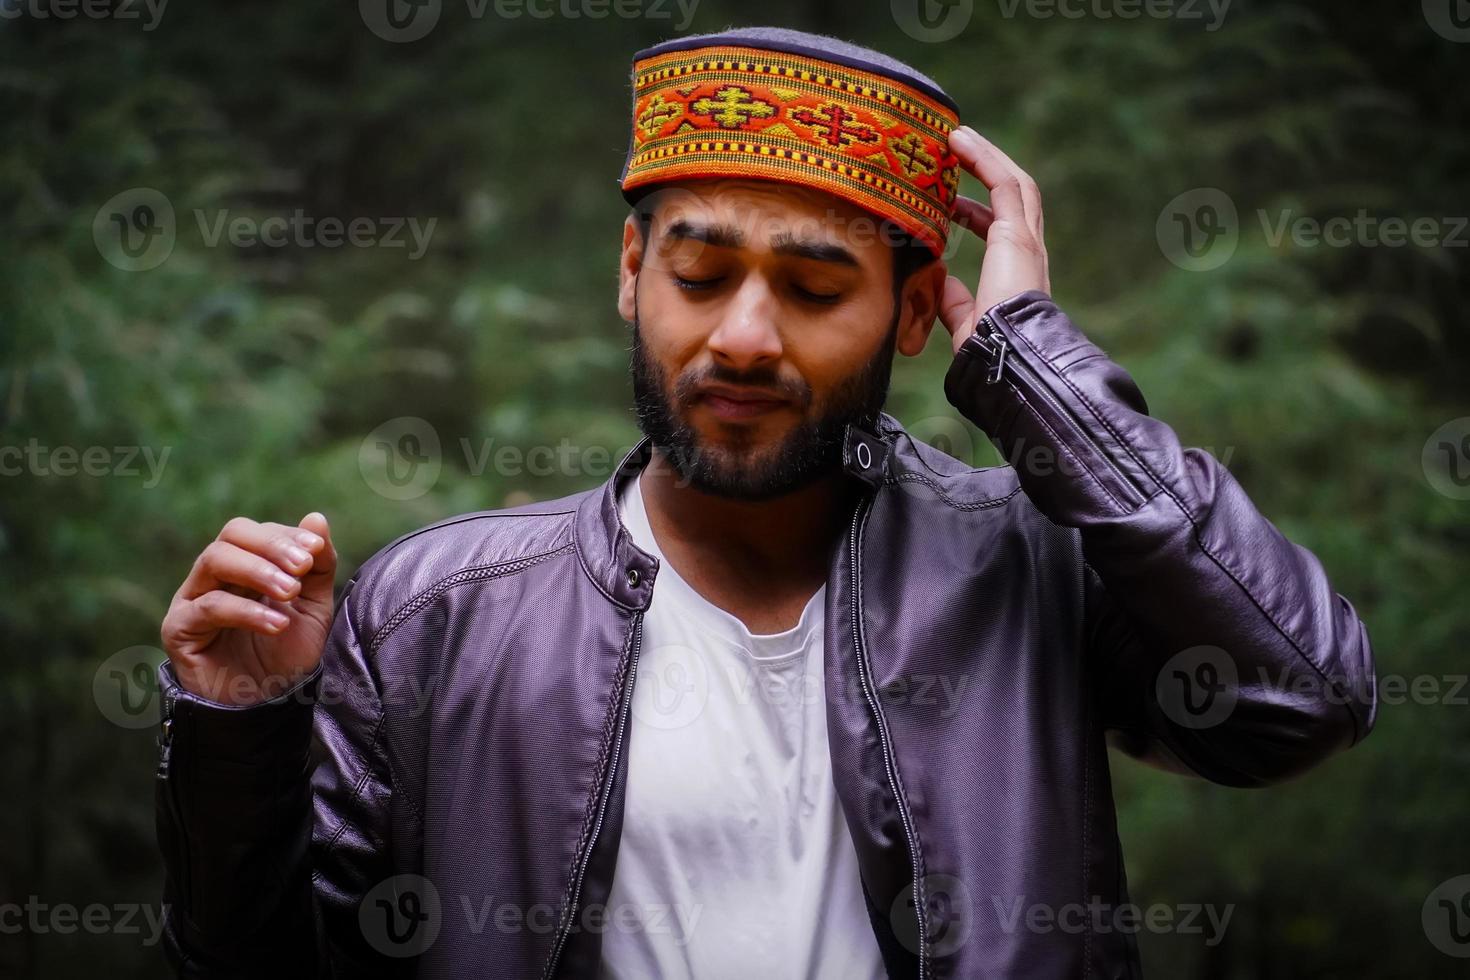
[{"x": 745, "y": 468}]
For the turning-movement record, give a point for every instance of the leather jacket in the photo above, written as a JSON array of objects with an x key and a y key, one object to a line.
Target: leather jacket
[{"x": 456, "y": 765}]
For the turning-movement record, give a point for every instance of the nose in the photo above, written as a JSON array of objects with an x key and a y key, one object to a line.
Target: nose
[{"x": 746, "y": 336}]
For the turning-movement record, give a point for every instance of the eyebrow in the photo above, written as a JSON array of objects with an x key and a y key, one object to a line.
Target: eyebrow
[{"x": 784, "y": 243}]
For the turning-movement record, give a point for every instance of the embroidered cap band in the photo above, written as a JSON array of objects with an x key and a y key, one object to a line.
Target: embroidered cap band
[{"x": 783, "y": 105}]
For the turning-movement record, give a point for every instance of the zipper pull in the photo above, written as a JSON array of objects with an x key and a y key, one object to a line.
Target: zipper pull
[
  {"x": 993, "y": 345},
  {"x": 166, "y": 736}
]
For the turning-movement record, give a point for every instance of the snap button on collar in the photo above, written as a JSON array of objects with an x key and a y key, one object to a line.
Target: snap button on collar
[{"x": 864, "y": 455}]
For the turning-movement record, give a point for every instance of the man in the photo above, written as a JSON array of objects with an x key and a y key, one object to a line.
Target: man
[{"x": 791, "y": 694}]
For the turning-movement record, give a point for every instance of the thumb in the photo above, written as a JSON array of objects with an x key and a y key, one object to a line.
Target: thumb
[
  {"x": 316, "y": 584},
  {"x": 956, "y": 310}
]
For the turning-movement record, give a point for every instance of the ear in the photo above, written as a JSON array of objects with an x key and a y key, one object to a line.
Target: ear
[
  {"x": 629, "y": 265},
  {"x": 919, "y": 305}
]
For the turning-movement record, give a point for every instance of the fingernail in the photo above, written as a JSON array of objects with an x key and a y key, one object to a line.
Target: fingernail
[
  {"x": 964, "y": 136},
  {"x": 285, "y": 582},
  {"x": 308, "y": 539},
  {"x": 298, "y": 555},
  {"x": 276, "y": 621}
]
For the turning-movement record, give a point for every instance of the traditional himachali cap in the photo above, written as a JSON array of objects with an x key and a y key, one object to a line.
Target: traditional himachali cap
[{"x": 777, "y": 104}]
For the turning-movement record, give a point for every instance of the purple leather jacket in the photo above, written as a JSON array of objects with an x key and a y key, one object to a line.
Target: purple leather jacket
[{"x": 461, "y": 800}]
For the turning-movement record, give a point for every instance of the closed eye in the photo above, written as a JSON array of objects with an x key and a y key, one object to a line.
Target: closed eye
[
  {"x": 695, "y": 284},
  {"x": 811, "y": 297}
]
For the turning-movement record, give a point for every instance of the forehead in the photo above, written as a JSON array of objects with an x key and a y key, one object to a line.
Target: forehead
[{"x": 763, "y": 211}]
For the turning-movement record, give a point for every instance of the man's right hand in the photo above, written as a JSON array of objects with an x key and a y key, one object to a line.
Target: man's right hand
[{"x": 253, "y": 616}]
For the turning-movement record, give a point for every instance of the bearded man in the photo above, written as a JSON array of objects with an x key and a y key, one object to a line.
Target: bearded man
[{"x": 792, "y": 693}]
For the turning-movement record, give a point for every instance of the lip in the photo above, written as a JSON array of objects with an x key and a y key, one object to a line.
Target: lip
[{"x": 732, "y": 402}]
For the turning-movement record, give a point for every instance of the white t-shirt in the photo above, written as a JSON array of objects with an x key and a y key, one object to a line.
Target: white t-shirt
[{"x": 735, "y": 860}]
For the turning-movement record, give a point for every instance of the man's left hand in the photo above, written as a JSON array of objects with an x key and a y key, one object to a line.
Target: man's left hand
[{"x": 1011, "y": 227}]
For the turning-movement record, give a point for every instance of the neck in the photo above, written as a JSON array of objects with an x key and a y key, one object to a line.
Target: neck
[{"x": 785, "y": 541}]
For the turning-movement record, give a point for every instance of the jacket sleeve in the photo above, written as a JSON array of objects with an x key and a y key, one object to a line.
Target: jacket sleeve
[
  {"x": 269, "y": 845},
  {"x": 1215, "y": 646}
]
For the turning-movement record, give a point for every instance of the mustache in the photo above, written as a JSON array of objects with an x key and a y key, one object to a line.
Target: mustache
[{"x": 765, "y": 381}]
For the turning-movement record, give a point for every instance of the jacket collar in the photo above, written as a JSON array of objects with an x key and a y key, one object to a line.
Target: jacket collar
[{"x": 625, "y": 573}]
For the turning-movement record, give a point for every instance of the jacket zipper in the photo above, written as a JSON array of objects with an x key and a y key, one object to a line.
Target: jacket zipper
[
  {"x": 604, "y": 792},
  {"x": 890, "y": 764},
  {"x": 165, "y": 777},
  {"x": 166, "y": 736},
  {"x": 994, "y": 349}
]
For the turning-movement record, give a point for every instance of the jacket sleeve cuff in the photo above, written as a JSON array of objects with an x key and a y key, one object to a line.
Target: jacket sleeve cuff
[{"x": 259, "y": 735}]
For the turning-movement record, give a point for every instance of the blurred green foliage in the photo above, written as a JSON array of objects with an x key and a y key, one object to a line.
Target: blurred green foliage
[{"x": 1317, "y": 373}]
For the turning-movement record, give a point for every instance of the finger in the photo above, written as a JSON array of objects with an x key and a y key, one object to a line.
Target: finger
[
  {"x": 956, "y": 308},
  {"x": 316, "y": 585},
  {"x": 222, "y": 565},
  {"x": 289, "y": 547},
  {"x": 973, "y": 215},
  {"x": 196, "y": 621},
  {"x": 1030, "y": 192},
  {"x": 1001, "y": 178}
]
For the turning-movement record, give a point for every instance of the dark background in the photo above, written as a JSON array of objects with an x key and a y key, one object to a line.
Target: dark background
[{"x": 1321, "y": 372}]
